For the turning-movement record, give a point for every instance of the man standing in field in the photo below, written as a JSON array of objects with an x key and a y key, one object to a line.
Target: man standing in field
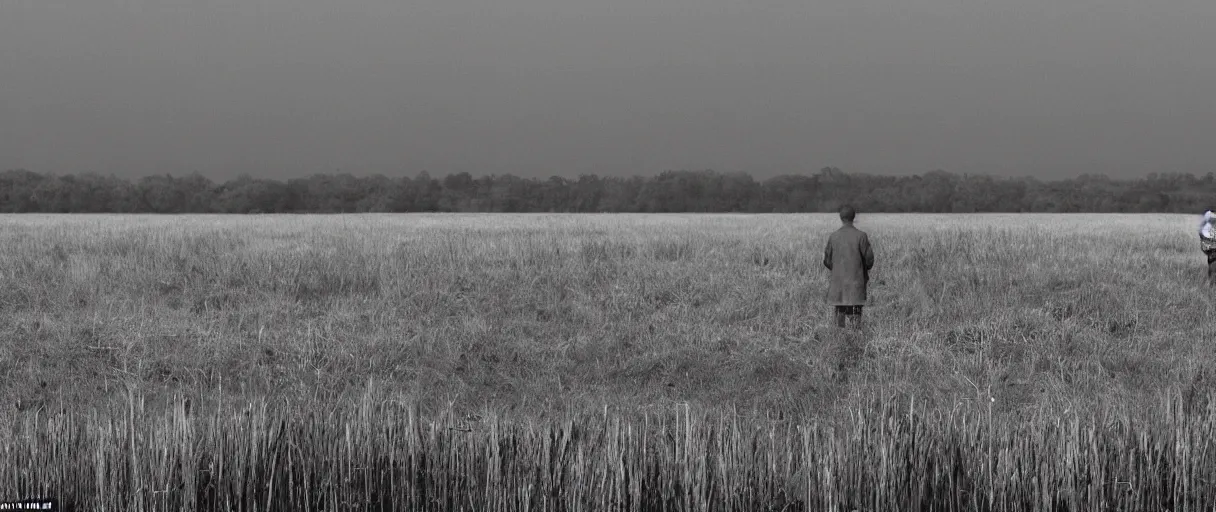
[
  {"x": 1207, "y": 242},
  {"x": 849, "y": 258}
]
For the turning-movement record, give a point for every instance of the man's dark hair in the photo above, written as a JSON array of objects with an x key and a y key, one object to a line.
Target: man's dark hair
[{"x": 847, "y": 213}]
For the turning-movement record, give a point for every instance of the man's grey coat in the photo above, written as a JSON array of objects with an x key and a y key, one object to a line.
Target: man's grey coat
[{"x": 849, "y": 256}]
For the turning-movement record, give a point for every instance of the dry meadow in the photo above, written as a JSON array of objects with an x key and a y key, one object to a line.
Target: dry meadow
[{"x": 572, "y": 362}]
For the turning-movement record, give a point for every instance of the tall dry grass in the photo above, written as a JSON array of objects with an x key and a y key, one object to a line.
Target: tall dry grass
[
  {"x": 1056, "y": 336},
  {"x": 379, "y": 455}
]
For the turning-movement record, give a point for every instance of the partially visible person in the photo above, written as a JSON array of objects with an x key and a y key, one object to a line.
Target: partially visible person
[
  {"x": 1207, "y": 242},
  {"x": 849, "y": 258}
]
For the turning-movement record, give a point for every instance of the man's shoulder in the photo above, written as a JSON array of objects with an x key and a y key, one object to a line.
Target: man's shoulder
[
  {"x": 846, "y": 235},
  {"x": 851, "y": 236},
  {"x": 851, "y": 231}
]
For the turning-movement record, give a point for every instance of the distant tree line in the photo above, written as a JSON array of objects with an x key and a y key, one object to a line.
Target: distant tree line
[{"x": 24, "y": 191}]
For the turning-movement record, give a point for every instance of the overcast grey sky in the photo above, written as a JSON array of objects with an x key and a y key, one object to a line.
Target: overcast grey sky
[{"x": 282, "y": 88}]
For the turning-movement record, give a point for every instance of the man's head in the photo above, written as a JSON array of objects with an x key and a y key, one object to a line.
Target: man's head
[{"x": 847, "y": 213}]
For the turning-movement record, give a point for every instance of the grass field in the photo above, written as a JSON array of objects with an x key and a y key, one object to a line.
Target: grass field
[{"x": 1082, "y": 340}]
